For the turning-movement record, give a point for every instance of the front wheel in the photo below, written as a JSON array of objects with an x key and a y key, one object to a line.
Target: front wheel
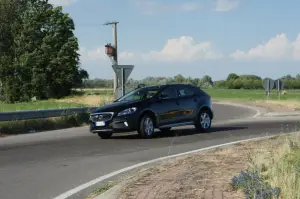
[
  {"x": 105, "y": 135},
  {"x": 146, "y": 127},
  {"x": 203, "y": 122}
]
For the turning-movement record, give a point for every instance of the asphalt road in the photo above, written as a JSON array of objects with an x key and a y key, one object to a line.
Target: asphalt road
[{"x": 44, "y": 165}]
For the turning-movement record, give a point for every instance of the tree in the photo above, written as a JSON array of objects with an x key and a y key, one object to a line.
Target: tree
[
  {"x": 81, "y": 76},
  {"x": 43, "y": 61},
  {"x": 232, "y": 76},
  {"x": 179, "y": 79}
]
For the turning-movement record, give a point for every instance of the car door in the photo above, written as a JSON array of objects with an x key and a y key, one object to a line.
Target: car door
[
  {"x": 166, "y": 106},
  {"x": 187, "y": 103}
]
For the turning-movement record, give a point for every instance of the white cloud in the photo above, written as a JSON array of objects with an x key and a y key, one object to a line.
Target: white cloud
[
  {"x": 184, "y": 49},
  {"x": 151, "y": 7},
  {"x": 62, "y": 2},
  {"x": 226, "y": 5},
  {"x": 96, "y": 54},
  {"x": 277, "y": 48}
]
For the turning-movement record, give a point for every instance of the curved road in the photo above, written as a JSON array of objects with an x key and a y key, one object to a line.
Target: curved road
[{"x": 44, "y": 165}]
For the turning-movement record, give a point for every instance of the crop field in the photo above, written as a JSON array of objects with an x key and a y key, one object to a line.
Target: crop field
[{"x": 97, "y": 97}]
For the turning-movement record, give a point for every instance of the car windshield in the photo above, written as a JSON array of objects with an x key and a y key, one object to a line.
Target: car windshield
[{"x": 139, "y": 94}]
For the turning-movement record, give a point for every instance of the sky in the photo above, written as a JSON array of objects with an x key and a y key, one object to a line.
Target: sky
[{"x": 189, "y": 37}]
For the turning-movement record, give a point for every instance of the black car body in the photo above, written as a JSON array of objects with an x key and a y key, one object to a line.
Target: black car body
[{"x": 147, "y": 108}]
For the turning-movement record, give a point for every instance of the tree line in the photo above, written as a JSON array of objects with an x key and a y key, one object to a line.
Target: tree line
[
  {"x": 233, "y": 81},
  {"x": 38, "y": 51}
]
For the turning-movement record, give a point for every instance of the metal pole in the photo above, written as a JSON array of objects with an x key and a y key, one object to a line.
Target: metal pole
[
  {"x": 278, "y": 88},
  {"x": 123, "y": 81},
  {"x": 268, "y": 89},
  {"x": 116, "y": 55}
]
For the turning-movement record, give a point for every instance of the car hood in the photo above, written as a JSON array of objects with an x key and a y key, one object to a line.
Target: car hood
[{"x": 116, "y": 106}]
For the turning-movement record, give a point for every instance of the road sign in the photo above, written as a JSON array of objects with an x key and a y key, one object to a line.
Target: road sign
[
  {"x": 123, "y": 72},
  {"x": 127, "y": 71},
  {"x": 279, "y": 84},
  {"x": 268, "y": 84}
]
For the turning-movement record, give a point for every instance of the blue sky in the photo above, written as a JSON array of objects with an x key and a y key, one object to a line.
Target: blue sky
[{"x": 189, "y": 37}]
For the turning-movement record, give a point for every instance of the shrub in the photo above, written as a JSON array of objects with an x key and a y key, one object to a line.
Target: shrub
[{"x": 253, "y": 185}]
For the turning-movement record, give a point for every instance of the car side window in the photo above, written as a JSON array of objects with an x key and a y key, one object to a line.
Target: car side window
[
  {"x": 169, "y": 92},
  {"x": 185, "y": 91}
]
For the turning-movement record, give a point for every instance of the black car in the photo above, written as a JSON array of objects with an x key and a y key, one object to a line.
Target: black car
[{"x": 147, "y": 108}]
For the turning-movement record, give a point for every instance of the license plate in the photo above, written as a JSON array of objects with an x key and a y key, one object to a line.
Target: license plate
[{"x": 100, "y": 123}]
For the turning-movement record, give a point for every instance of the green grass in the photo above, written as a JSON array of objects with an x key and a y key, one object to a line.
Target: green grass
[
  {"x": 4, "y": 107},
  {"x": 38, "y": 125},
  {"x": 278, "y": 163},
  {"x": 101, "y": 190},
  {"x": 249, "y": 95},
  {"x": 52, "y": 104}
]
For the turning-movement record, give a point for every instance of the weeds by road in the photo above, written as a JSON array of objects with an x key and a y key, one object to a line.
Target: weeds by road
[{"x": 268, "y": 166}]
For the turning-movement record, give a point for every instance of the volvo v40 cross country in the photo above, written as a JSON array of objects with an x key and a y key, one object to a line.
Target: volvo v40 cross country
[{"x": 154, "y": 107}]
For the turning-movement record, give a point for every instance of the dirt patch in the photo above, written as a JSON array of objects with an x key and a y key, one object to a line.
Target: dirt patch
[{"x": 207, "y": 175}]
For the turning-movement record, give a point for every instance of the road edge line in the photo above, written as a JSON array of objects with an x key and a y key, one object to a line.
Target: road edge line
[
  {"x": 100, "y": 179},
  {"x": 258, "y": 112}
]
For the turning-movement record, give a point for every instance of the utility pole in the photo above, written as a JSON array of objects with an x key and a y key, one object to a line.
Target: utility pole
[{"x": 115, "y": 57}]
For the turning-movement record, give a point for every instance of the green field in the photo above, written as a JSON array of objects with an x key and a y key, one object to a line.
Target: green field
[
  {"x": 216, "y": 94},
  {"x": 37, "y": 105},
  {"x": 249, "y": 95}
]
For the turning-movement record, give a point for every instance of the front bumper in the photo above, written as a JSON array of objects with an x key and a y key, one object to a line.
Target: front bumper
[{"x": 116, "y": 124}]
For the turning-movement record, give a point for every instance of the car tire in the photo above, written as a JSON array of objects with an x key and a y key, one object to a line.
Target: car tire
[
  {"x": 105, "y": 135},
  {"x": 203, "y": 122},
  {"x": 146, "y": 127}
]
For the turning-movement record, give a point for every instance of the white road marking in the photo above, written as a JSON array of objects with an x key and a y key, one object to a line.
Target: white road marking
[
  {"x": 258, "y": 113},
  {"x": 107, "y": 176}
]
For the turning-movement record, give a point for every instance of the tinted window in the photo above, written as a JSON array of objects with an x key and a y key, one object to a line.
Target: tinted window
[
  {"x": 169, "y": 92},
  {"x": 186, "y": 91},
  {"x": 139, "y": 94}
]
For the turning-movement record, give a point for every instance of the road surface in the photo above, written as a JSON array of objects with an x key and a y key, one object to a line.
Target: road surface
[{"x": 44, "y": 165}]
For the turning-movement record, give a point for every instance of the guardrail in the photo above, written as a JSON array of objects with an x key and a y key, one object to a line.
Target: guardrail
[{"x": 46, "y": 113}]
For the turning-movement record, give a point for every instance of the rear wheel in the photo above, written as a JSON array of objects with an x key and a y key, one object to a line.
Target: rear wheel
[
  {"x": 203, "y": 122},
  {"x": 146, "y": 127},
  {"x": 105, "y": 135}
]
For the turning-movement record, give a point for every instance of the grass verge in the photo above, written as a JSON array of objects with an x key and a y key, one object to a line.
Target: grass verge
[
  {"x": 265, "y": 169},
  {"x": 36, "y": 125},
  {"x": 101, "y": 190},
  {"x": 274, "y": 170}
]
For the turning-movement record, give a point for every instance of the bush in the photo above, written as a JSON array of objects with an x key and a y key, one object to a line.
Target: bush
[{"x": 253, "y": 185}]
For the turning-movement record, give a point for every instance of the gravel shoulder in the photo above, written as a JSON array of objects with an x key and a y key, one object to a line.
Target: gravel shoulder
[{"x": 205, "y": 175}]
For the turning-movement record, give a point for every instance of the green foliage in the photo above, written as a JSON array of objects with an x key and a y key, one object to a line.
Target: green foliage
[
  {"x": 40, "y": 58},
  {"x": 233, "y": 81}
]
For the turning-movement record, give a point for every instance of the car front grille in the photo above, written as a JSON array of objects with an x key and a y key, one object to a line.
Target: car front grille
[{"x": 101, "y": 116}]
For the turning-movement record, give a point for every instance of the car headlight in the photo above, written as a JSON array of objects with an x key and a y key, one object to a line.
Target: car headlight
[{"x": 127, "y": 111}]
